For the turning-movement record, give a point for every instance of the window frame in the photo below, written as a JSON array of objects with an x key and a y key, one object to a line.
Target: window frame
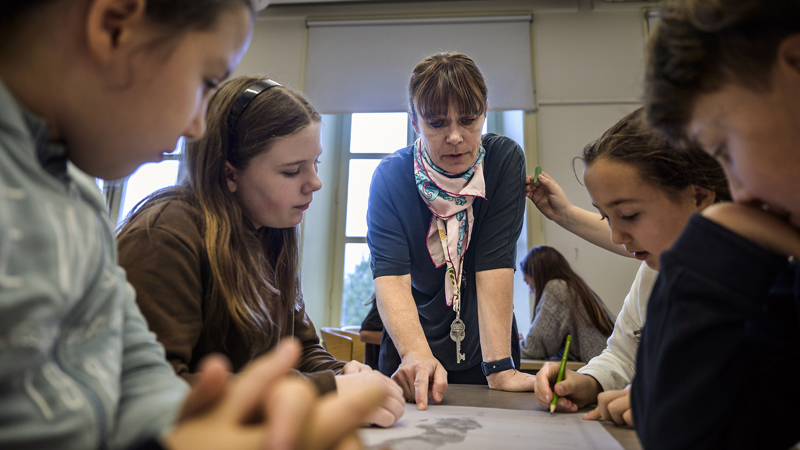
[
  {"x": 114, "y": 191},
  {"x": 340, "y": 235}
]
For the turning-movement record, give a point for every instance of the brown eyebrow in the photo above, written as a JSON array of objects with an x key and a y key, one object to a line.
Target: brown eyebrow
[
  {"x": 293, "y": 163},
  {"x": 617, "y": 202}
]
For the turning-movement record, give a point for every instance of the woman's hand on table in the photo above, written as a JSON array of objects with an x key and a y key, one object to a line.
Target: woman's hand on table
[
  {"x": 264, "y": 408},
  {"x": 575, "y": 391},
  {"x": 422, "y": 378},
  {"x": 511, "y": 380},
  {"x": 392, "y": 407},
  {"x": 614, "y": 406}
]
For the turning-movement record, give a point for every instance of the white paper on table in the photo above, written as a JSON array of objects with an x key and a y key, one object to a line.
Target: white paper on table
[{"x": 465, "y": 427}]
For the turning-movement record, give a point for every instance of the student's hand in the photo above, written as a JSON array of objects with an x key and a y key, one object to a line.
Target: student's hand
[
  {"x": 614, "y": 406},
  {"x": 355, "y": 367},
  {"x": 575, "y": 391},
  {"x": 422, "y": 378},
  {"x": 511, "y": 380},
  {"x": 548, "y": 197},
  {"x": 263, "y": 408},
  {"x": 213, "y": 374},
  {"x": 393, "y": 405},
  {"x": 770, "y": 231}
]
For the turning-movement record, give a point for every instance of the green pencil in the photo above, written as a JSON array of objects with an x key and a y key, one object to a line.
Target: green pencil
[
  {"x": 560, "y": 373},
  {"x": 536, "y": 173}
]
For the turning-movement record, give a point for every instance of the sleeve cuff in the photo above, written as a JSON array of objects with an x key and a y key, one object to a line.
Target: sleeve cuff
[{"x": 324, "y": 380}]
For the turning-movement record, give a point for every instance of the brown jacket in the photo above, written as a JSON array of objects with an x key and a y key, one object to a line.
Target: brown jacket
[{"x": 163, "y": 252}]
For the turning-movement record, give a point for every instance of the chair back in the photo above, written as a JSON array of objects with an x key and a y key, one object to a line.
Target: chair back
[
  {"x": 359, "y": 347},
  {"x": 337, "y": 344}
]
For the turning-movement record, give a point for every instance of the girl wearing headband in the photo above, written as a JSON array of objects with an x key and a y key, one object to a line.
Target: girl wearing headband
[{"x": 215, "y": 260}]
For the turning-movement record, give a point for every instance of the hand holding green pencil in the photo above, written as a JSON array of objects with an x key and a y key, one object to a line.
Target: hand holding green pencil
[
  {"x": 536, "y": 173},
  {"x": 560, "y": 373}
]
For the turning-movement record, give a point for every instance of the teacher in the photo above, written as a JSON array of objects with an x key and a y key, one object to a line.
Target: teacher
[{"x": 443, "y": 221}]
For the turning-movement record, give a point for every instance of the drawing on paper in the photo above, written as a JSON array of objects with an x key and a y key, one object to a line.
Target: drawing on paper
[
  {"x": 464, "y": 428},
  {"x": 449, "y": 430}
]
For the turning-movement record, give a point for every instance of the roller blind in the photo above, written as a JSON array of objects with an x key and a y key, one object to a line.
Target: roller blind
[{"x": 365, "y": 65}]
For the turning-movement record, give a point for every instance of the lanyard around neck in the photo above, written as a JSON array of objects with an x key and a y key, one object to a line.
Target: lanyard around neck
[{"x": 454, "y": 278}]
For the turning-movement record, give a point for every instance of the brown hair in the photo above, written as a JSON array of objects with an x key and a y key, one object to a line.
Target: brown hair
[
  {"x": 699, "y": 45},
  {"x": 658, "y": 161},
  {"x": 174, "y": 15},
  {"x": 445, "y": 78},
  {"x": 254, "y": 275},
  {"x": 544, "y": 264}
]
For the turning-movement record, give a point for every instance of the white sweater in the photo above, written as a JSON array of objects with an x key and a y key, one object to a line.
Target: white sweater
[{"x": 614, "y": 368}]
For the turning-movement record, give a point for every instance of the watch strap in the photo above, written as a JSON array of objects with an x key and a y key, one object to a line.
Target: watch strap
[{"x": 500, "y": 365}]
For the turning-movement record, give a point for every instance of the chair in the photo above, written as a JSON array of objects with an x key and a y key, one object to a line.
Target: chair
[
  {"x": 359, "y": 347},
  {"x": 337, "y": 344}
]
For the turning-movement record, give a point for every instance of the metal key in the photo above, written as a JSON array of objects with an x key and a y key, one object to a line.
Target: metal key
[{"x": 457, "y": 335}]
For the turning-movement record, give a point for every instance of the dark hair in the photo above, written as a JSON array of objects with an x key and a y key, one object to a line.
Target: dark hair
[
  {"x": 174, "y": 15},
  {"x": 445, "y": 78},
  {"x": 544, "y": 264},
  {"x": 663, "y": 163},
  {"x": 254, "y": 276},
  {"x": 699, "y": 45}
]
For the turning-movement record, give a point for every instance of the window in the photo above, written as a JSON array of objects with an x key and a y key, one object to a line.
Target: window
[
  {"x": 371, "y": 136},
  {"x": 123, "y": 195}
]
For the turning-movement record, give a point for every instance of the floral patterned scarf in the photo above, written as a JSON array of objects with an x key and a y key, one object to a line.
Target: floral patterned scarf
[{"x": 449, "y": 197}]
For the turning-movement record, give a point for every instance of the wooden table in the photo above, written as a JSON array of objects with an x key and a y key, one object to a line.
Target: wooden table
[{"x": 482, "y": 396}]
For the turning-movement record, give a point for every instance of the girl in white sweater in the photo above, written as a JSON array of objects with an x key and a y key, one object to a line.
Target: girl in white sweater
[{"x": 645, "y": 190}]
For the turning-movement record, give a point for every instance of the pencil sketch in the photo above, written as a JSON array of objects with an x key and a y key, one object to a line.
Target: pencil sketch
[
  {"x": 448, "y": 430},
  {"x": 455, "y": 427}
]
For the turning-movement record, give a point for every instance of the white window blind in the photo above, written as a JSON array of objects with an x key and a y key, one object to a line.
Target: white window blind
[{"x": 365, "y": 65}]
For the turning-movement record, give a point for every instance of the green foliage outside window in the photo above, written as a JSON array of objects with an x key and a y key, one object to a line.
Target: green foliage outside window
[{"x": 358, "y": 288}]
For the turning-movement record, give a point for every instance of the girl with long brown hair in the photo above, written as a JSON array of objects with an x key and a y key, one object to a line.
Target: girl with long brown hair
[
  {"x": 215, "y": 260},
  {"x": 563, "y": 305}
]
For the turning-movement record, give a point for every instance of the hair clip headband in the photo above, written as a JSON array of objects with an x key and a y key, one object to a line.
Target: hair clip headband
[{"x": 244, "y": 99}]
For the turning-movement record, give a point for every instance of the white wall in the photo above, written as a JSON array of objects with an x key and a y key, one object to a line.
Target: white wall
[{"x": 588, "y": 70}]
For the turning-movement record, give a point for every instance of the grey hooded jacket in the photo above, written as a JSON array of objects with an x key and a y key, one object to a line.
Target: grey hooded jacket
[{"x": 78, "y": 367}]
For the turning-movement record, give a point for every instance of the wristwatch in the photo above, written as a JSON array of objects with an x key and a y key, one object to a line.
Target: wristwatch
[{"x": 500, "y": 365}]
